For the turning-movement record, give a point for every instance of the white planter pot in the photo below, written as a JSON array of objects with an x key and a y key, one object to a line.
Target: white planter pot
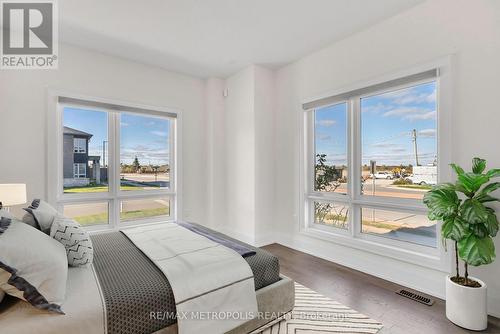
[{"x": 466, "y": 307}]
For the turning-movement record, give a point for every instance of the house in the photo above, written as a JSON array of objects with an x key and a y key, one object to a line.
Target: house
[{"x": 79, "y": 169}]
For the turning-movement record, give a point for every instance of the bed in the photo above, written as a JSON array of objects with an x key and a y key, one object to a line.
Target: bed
[{"x": 125, "y": 292}]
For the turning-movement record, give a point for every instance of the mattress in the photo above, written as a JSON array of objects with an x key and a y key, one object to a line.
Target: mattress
[{"x": 133, "y": 287}]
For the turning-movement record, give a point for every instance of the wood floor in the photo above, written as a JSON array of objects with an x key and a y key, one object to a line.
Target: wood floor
[{"x": 367, "y": 294}]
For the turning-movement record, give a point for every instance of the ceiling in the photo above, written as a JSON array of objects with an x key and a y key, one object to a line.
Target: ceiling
[{"x": 217, "y": 37}]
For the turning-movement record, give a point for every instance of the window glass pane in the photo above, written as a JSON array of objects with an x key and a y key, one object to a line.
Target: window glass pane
[
  {"x": 399, "y": 131},
  {"x": 144, "y": 152},
  {"x": 332, "y": 214},
  {"x": 330, "y": 128},
  {"x": 131, "y": 210},
  {"x": 85, "y": 157},
  {"x": 403, "y": 226},
  {"x": 88, "y": 213}
]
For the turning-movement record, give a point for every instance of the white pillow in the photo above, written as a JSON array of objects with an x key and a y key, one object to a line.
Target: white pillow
[
  {"x": 33, "y": 266},
  {"x": 43, "y": 213},
  {"x": 6, "y": 214}
]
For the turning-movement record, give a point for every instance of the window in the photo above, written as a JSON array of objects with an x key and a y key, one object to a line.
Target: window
[
  {"x": 131, "y": 210},
  {"x": 79, "y": 171},
  {"x": 92, "y": 127},
  {"x": 127, "y": 175},
  {"x": 370, "y": 156},
  {"x": 144, "y": 152},
  {"x": 87, "y": 214},
  {"x": 80, "y": 145}
]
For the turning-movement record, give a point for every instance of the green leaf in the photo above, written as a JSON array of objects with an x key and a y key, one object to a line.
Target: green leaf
[
  {"x": 490, "y": 188},
  {"x": 478, "y": 165},
  {"x": 486, "y": 198},
  {"x": 459, "y": 187},
  {"x": 459, "y": 170},
  {"x": 492, "y": 223},
  {"x": 493, "y": 173},
  {"x": 472, "y": 182},
  {"x": 442, "y": 201},
  {"x": 482, "y": 195},
  {"x": 479, "y": 230},
  {"x": 476, "y": 251},
  {"x": 453, "y": 228},
  {"x": 473, "y": 211}
]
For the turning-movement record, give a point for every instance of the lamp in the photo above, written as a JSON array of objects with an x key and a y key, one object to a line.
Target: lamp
[{"x": 12, "y": 194}]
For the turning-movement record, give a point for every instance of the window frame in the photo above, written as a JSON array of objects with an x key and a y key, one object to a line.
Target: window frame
[
  {"x": 114, "y": 196},
  {"x": 436, "y": 258},
  {"x": 78, "y": 174},
  {"x": 78, "y": 148}
]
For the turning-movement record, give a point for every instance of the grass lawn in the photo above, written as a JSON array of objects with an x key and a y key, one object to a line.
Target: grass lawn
[
  {"x": 102, "y": 218},
  {"x": 96, "y": 189},
  {"x": 415, "y": 186}
]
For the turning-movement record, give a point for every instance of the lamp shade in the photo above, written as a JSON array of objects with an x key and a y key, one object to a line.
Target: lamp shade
[{"x": 12, "y": 194}]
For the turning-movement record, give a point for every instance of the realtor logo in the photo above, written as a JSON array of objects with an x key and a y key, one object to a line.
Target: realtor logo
[{"x": 29, "y": 35}]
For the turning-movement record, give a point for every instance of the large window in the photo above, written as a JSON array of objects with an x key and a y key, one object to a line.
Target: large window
[
  {"x": 117, "y": 164},
  {"x": 370, "y": 155}
]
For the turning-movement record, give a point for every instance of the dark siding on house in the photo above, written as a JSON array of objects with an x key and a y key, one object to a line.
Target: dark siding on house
[{"x": 68, "y": 156}]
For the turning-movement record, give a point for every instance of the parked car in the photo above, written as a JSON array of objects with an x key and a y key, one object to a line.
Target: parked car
[{"x": 382, "y": 175}]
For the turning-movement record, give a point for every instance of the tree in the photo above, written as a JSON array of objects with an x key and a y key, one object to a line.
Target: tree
[
  {"x": 327, "y": 180},
  {"x": 466, "y": 219},
  {"x": 136, "y": 164}
]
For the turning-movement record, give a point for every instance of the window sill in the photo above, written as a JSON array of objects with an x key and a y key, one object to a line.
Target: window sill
[
  {"x": 434, "y": 261},
  {"x": 108, "y": 228}
]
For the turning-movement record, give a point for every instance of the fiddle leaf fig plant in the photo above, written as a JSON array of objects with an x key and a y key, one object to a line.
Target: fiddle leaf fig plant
[{"x": 467, "y": 220}]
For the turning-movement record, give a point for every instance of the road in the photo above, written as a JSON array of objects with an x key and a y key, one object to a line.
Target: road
[{"x": 386, "y": 188}]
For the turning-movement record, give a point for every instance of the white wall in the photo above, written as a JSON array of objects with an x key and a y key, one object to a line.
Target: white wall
[
  {"x": 249, "y": 147},
  {"x": 23, "y": 104},
  {"x": 240, "y": 155},
  {"x": 264, "y": 154},
  {"x": 470, "y": 30},
  {"x": 216, "y": 149}
]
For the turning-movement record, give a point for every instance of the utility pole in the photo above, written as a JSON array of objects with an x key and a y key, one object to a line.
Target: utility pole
[
  {"x": 414, "y": 137},
  {"x": 104, "y": 153}
]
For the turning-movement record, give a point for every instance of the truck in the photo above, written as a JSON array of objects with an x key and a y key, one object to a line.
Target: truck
[{"x": 424, "y": 175}]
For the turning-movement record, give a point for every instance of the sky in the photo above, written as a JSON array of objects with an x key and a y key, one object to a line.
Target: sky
[
  {"x": 146, "y": 137},
  {"x": 387, "y": 122}
]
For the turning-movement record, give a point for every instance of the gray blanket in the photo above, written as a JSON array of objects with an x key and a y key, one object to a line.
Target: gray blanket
[{"x": 134, "y": 288}]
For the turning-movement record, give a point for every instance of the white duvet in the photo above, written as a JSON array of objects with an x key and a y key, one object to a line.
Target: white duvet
[{"x": 213, "y": 285}]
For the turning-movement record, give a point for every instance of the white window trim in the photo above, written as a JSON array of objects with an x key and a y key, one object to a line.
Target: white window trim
[
  {"x": 435, "y": 258},
  {"x": 77, "y": 148},
  {"x": 79, "y": 173},
  {"x": 54, "y": 176}
]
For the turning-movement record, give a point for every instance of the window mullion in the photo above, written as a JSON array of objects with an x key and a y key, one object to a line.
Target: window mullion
[
  {"x": 355, "y": 160},
  {"x": 114, "y": 167}
]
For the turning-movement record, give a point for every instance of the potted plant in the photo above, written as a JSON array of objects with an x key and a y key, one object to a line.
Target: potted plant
[{"x": 471, "y": 225}]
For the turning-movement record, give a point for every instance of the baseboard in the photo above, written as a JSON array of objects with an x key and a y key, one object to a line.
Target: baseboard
[{"x": 422, "y": 288}]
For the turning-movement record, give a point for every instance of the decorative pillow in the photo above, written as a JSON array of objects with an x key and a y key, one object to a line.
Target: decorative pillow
[
  {"x": 33, "y": 266},
  {"x": 43, "y": 214},
  {"x": 5, "y": 214},
  {"x": 75, "y": 239},
  {"x": 30, "y": 220}
]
